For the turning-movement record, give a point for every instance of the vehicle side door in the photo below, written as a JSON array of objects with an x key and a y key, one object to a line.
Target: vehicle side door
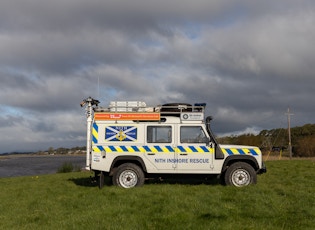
[
  {"x": 193, "y": 152},
  {"x": 159, "y": 146}
]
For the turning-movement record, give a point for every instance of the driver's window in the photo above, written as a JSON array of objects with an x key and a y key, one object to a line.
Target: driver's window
[{"x": 192, "y": 134}]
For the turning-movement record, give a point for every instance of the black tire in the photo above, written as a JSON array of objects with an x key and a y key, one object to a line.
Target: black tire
[
  {"x": 128, "y": 175},
  {"x": 240, "y": 174}
]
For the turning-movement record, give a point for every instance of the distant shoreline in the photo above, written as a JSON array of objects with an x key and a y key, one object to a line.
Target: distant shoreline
[
  {"x": 36, "y": 164},
  {"x": 50, "y": 151},
  {"x": 39, "y": 154}
]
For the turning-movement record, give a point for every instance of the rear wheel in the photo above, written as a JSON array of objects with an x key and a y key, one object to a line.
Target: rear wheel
[
  {"x": 240, "y": 174},
  {"x": 128, "y": 175}
]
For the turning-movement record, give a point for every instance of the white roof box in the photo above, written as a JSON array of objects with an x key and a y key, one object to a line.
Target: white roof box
[{"x": 126, "y": 106}]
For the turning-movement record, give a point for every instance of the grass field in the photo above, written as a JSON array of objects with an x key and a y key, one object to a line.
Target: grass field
[{"x": 284, "y": 198}]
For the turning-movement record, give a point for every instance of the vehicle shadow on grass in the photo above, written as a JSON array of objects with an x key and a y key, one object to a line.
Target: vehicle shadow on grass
[
  {"x": 184, "y": 180},
  {"x": 89, "y": 181},
  {"x": 84, "y": 181}
]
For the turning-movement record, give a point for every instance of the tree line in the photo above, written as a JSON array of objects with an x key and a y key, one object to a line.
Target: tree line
[{"x": 277, "y": 140}]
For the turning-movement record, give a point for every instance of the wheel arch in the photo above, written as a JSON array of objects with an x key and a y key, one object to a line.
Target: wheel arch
[
  {"x": 240, "y": 158},
  {"x": 119, "y": 160}
]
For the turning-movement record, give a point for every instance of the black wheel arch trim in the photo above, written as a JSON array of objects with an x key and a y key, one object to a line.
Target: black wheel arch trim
[
  {"x": 240, "y": 158},
  {"x": 129, "y": 159}
]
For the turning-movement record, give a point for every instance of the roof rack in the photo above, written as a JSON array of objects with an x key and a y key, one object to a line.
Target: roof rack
[
  {"x": 137, "y": 110},
  {"x": 183, "y": 110}
]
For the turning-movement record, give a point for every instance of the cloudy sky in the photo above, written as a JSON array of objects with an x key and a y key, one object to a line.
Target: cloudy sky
[{"x": 248, "y": 60}]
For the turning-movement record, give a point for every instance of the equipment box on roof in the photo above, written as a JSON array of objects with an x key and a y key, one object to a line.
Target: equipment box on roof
[{"x": 126, "y": 106}]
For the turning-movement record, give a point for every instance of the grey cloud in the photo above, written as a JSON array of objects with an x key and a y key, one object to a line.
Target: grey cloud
[
  {"x": 278, "y": 46},
  {"x": 43, "y": 127},
  {"x": 10, "y": 120},
  {"x": 73, "y": 14},
  {"x": 51, "y": 94}
]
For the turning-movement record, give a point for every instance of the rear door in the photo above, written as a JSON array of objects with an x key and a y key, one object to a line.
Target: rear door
[{"x": 159, "y": 146}]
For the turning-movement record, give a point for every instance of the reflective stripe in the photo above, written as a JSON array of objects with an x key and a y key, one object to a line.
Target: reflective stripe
[
  {"x": 227, "y": 151},
  {"x": 170, "y": 149},
  {"x": 234, "y": 151},
  {"x": 98, "y": 148},
  {"x": 253, "y": 151},
  {"x": 95, "y": 133}
]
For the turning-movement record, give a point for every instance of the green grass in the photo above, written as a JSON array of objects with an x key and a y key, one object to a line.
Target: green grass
[{"x": 284, "y": 198}]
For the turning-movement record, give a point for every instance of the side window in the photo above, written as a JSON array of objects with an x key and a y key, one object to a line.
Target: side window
[
  {"x": 192, "y": 134},
  {"x": 159, "y": 134}
]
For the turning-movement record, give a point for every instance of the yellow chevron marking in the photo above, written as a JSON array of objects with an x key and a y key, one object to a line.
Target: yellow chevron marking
[
  {"x": 96, "y": 149},
  {"x": 188, "y": 150},
  {"x": 118, "y": 149},
  {"x": 234, "y": 151},
  {"x": 130, "y": 149},
  {"x": 246, "y": 151},
  {"x": 165, "y": 150},
  {"x": 142, "y": 150},
  {"x": 200, "y": 150},
  {"x": 95, "y": 133},
  {"x": 257, "y": 150},
  {"x": 224, "y": 151},
  {"x": 154, "y": 150},
  {"x": 107, "y": 149}
]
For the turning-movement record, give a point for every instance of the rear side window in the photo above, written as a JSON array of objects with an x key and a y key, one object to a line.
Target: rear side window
[{"x": 159, "y": 134}]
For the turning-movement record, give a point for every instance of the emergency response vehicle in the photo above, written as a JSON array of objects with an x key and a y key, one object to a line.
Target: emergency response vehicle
[{"x": 130, "y": 142}]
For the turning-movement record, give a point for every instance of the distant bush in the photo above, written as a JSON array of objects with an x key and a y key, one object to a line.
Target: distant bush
[{"x": 68, "y": 167}]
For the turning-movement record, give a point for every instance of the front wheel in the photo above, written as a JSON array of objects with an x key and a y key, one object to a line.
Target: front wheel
[
  {"x": 128, "y": 176},
  {"x": 240, "y": 174}
]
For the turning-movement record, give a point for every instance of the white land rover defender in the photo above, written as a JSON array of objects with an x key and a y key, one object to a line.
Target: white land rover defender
[{"x": 129, "y": 142}]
